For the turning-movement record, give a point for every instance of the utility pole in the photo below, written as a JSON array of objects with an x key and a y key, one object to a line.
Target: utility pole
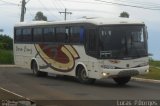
[
  {"x": 65, "y": 13},
  {"x": 23, "y": 10}
]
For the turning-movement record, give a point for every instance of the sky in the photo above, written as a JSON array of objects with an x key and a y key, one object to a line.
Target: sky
[{"x": 10, "y": 11}]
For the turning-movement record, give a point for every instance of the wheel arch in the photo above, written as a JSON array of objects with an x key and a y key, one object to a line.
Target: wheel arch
[
  {"x": 34, "y": 60},
  {"x": 80, "y": 65}
]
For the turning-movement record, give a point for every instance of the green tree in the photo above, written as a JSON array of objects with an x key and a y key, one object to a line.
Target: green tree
[
  {"x": 124, "y": 14},
  {"x": 40, "y": 16},
  {"x": 6, "y": 42}
]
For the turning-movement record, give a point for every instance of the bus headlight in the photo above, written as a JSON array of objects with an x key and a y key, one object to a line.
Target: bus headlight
[
  {"x": 107, "y": 67},
  {"x": 104, "y": 74}
]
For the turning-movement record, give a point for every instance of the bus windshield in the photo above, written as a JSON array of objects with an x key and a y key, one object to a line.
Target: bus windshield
[{"x": 123, "y": 41}]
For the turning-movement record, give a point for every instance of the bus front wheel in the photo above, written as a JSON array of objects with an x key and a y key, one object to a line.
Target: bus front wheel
[
  {"x": 83, "y": 78},
  {"x": 122, "y": 80},
  {"x": 36, "y": 72}
]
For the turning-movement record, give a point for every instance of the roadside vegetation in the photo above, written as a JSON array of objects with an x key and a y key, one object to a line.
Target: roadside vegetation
[
  {"x": 6, "y": 49},
  {"x": 154, "y": 71},
  {"x": 6, "y": 56}
]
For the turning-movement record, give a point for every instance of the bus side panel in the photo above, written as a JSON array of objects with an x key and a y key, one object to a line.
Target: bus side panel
[{"x": 19, "y": 55}]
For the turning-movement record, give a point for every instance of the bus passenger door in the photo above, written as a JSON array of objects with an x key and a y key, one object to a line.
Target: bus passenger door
[{"x": 91, "y": 47}]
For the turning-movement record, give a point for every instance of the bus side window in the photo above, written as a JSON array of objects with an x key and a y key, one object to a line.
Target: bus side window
[
  {"x": 60, "y": 34},
  {"x": 91, "y": 42},
  {"x": 27, "y": 34},
  {"x": 81, "y": 34},
  {"x": 76, "y": 35},
  {"x": 37, "y": 35},
  {"x": 49, "y": 34},
  {"x": 67, "y": 35},
  {"x": 18, "y": 35}
]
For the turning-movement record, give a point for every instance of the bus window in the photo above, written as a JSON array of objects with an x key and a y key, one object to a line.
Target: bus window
[
  {"x": 81, "y": 35},
  {"x": 75, "y": 35},
  {"x": 91, "y": 43},
  {"x": 37, "y": 35},
  {"x": 91, "y": 40},
  {"x": 67, "y": 34},
  {"x": 18, "y": 35},
  {"x": 60, "y": 34},
  {"x": 49, "y": 34},
  {"x": 27, "y": 34}
]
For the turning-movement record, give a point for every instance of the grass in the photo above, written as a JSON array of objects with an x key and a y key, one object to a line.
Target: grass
[
  {"x": 6, "y": 56},
  {"x": 155, "y": 63},
  {"x": 154, "y": 71}
]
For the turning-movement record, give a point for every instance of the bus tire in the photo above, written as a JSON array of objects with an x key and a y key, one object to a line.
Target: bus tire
[
  {"x": 36, "y": 72},
  {"x": 82, "y": 76},
  {"x": 122, "y": 80}
]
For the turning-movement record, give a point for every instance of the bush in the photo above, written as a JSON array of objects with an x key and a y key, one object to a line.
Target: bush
[
  {"x": 6, "y": 42},
  {"x": 6, "y": 56}
]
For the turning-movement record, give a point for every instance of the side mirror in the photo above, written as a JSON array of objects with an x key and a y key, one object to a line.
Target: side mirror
[
  {"x": 150, "y": 54},
  {"x": 146, "y": 32}
]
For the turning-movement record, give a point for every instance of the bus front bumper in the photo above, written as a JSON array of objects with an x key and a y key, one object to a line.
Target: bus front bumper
[{"x": 105, "y": 73}]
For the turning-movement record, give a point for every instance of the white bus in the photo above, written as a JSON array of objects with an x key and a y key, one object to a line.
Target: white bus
[{"x": 87, "y": 49}]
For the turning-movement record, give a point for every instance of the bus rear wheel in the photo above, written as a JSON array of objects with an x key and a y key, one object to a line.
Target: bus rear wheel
[
  {"x": 122, "y": 80},
  {"x": 36, "y": 72},
  {"x": 82, "y": 76}
]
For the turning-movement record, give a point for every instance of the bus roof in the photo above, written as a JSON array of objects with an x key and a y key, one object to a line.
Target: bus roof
[{"x": 96, "y": 21}]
